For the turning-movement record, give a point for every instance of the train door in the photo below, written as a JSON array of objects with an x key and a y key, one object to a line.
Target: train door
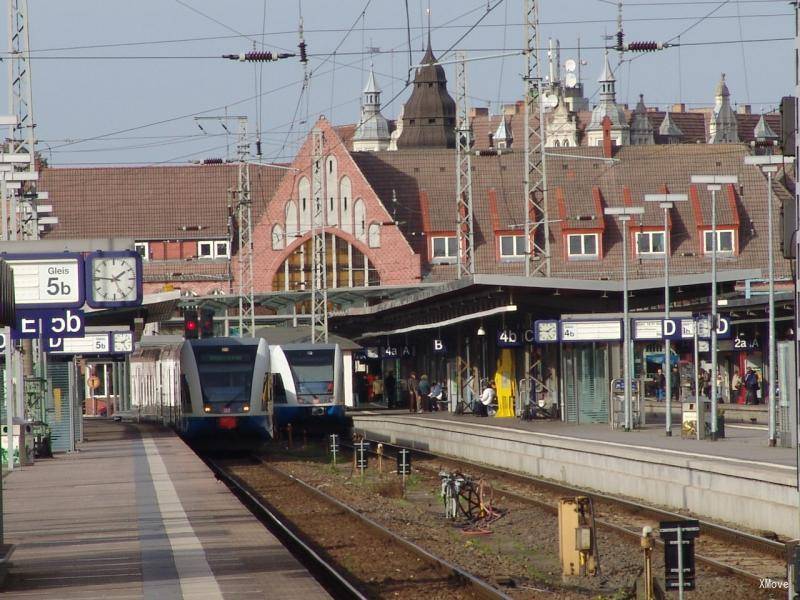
[{"x": 586, "y": 382}]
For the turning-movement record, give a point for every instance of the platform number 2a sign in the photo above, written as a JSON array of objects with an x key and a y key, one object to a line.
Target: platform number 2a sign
[{"x": 742, "y": 343}]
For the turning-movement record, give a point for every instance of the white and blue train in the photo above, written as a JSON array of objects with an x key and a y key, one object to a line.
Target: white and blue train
[
  {"x": 308, "y": 385},
  {"x": 237, "y": 389},
  {"x": 212, "y": 389}
]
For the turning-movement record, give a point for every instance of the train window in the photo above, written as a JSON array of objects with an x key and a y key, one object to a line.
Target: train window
[{"x": 278, "y": 391}]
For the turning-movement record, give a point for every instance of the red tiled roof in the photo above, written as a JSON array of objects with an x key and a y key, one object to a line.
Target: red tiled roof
[
  {"x": 640, "y": 169},
  {"x": 150, "y": 203}
]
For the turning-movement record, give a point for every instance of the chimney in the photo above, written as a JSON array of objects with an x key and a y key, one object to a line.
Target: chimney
[
  {"x": 607, "y": 144},
  {"x": 478, "y": 111},
  {"x": 744, "y": 109},
  {"x": 491, "y": 140},
  {"x": 520, "y": 106},
  {"x": 678, "y": 108}
]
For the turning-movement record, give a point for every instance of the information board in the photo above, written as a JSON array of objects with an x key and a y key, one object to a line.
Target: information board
[
  {"x": 91, "y": 343},
  {"x": 591, "y": 331},
  {"x": 47, "y": 280},
  {"x": 647, "y": 329}
]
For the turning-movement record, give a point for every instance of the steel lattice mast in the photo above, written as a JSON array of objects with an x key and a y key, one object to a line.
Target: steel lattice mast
[
  {"x": 466, "y": 242},
  {"x": 319, "y": 265},
  {"x": 21, "y": 138},
  {"x": 537, "y": 229},
  {"x": 244, "y": 213}
]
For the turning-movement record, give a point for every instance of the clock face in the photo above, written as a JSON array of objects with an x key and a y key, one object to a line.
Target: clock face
[
  {"x": 548, "y": 331},
  {"x": 114, "y": 279},
  {"x": 123, "y": 342}
]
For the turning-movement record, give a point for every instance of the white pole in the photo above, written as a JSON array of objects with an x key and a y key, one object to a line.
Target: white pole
[
  {"x": 667, "y": 346},
  {"x": 771, "y": 367},
  {"x": 626, "y": 337},
  {"x": 714, "y": 312},
  {"x": 701, "y": 419},
  {"x": 9, "y": 399},
  {"x": 680, "y": 563}
]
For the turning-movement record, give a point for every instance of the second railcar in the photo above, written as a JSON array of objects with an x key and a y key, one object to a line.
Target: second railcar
[{"x": 308, "y": 385}]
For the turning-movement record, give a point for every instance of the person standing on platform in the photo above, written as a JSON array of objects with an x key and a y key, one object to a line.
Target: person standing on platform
[
  {"x": 488, "y": 396},
  {"x": 413, "y": 392},
  {"x": 390, "y": 389},
  {"x": 676, "y": 383},
  {"x": 661, "y": 385},
  {"x": 736, "y": 386},
  {"x": 751, "y": 386},
  {"x": 424, "y": 390}
]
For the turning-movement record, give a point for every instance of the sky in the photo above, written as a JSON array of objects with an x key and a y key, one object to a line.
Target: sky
[{"x": 121, "y": 82}]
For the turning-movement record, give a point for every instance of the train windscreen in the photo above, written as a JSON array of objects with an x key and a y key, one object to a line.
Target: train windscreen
[
  {"x": 226, "y": 372},
  {"x": 312, "y": 371}
]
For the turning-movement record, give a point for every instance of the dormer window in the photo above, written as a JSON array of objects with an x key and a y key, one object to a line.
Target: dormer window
[
  {"x": 512, "y": 247},
  {"x": 582, "y": 245},
  {"x": 650, "y": 242},
  {"x": 444, "y": 249},
  {"x": 213, "y": 249},
  {"x": 726, "y": 241}
]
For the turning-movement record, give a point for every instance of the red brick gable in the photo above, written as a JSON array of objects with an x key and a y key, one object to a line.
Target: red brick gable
[{"x": 395, "y": 260}]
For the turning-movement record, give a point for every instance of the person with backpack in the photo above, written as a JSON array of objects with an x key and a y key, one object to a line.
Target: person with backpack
[
  {"x": 424, "y": 391},
  {"x": 751, "y": 386}
]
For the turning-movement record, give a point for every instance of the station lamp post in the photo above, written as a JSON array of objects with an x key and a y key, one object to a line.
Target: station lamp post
[
  {"x": 769, "y": 165},
  {"x": 624, "y": 214},
  {"x": 667, "y": 201},
  {"x": 714, "y": 184}
]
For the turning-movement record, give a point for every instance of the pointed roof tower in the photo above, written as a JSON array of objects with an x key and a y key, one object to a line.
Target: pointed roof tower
[
  {"x": 669, "y": 130},
  {"x": 429, "y": 115},
  {"x": 502, "y": 135},
  {"x": 641, "y": 130},
  {"x": 608, "y": 107},
  {"x": 723, "y": 128},
  {"x": 763, "y": 132},
  {"x": 372, "y": 132}
]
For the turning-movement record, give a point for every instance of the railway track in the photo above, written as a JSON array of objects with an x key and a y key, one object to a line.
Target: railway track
[
  {"x": 724, "y": 549},
  {"x": 340, "y": 545}
]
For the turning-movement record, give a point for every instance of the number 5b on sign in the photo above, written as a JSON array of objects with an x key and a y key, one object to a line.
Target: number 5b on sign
[{"x": 48, "y": 281}]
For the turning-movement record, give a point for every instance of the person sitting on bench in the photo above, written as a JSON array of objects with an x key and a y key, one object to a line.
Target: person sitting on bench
[{"x": 487, "y": 399}]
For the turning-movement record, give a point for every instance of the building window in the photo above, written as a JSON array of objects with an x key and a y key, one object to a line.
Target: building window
[
  {"x": 512, "y": 246},
  {"x": 582, "y": 245},
  {"x": 222, "y": 249},
  {"x": 650, "y": 242},
  {"x": 143, "y": 248},
  {"x": 725, "y": 240},
  {"x": 444, "y": 248},
  {"x": 213, "y": 249}
]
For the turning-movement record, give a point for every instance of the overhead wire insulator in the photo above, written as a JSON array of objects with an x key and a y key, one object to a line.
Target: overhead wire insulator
[
  {"x": 620, "y": 41},
  {"x": 303, "y": 55},
  {"x": 258, "y": 56},
  {"x": 645, "y": 46},
  {"x": 213, "y": 161}
]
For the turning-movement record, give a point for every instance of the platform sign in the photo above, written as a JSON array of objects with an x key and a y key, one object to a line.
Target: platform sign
[
  {"x": 508, "y": 338},
  {"x": 2, "y": 341},
  {"x": 90, "y": 343},
  {"x": 439, "y": 347},
  {"x": 648, "y": 329},
  {"x": 47, "y": 280},
  {"x": 683, "y": 329},
  {"x": 591, "y": 331},
  {"x": 36, "y": 324}
]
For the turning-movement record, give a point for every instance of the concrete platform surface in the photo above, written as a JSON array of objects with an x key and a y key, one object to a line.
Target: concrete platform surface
[
  {"x": 135, "y": 514},
  {"x": 739, "y": 479}
]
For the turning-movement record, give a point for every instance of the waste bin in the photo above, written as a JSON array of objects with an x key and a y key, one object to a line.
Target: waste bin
[
  {"x": 689, "y": 418},
  {"x": 23, "y": 442}
]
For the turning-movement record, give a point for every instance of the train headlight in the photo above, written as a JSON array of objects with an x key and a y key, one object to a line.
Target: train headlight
[
  {"x": 246, "y": 408},
  {"x": 206, "y": 408}
]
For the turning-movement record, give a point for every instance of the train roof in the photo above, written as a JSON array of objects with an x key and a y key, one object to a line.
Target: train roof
[{"x": 280, "y": 336}]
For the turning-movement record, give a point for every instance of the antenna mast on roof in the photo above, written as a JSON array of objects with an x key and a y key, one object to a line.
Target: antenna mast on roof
[
  {"x": 537, "y": 228},
  {"x": 466, "y": 256}
]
